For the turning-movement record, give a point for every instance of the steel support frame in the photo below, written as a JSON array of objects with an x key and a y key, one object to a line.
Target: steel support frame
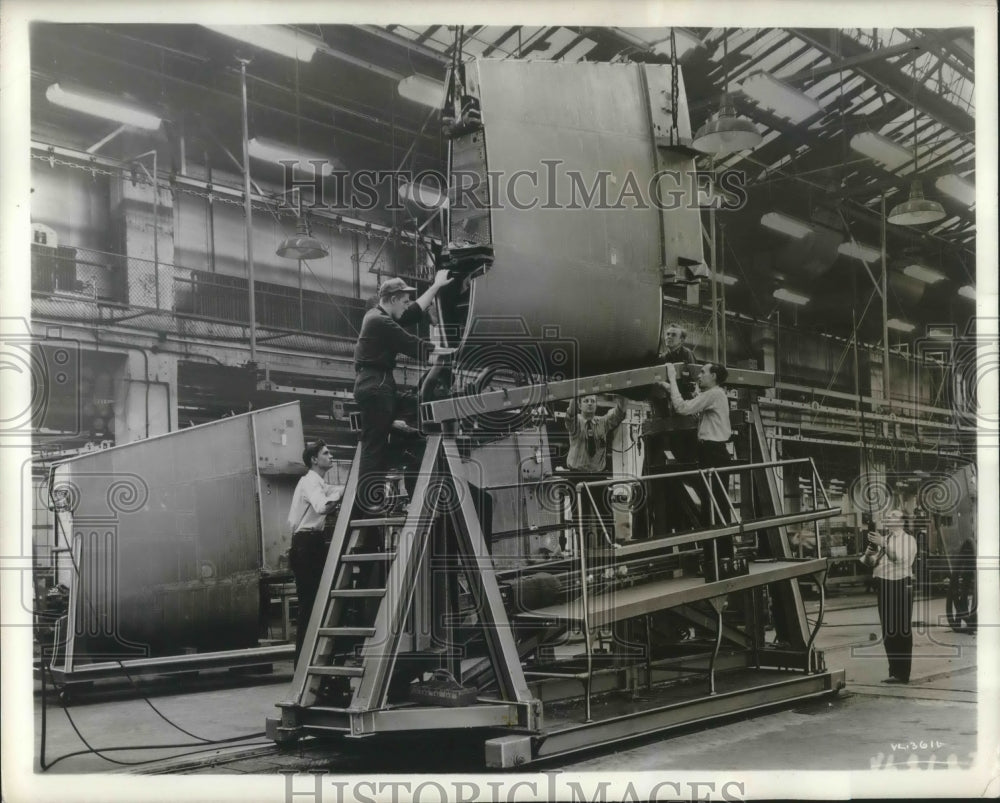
[
  {"x": 170, "y": 664},
  {"x": 665, "y": 718},
  {"x": 544, "y": 392}
]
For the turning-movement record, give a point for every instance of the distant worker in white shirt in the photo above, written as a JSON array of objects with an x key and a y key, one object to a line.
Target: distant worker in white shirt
[
  {"x": 711, "y": 405},
  {"x": 314, "y": 498},
  {"x": 892, "y": 555}
]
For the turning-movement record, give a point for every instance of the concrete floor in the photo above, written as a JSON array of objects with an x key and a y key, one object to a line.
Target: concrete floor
[{"x": 871, "y": 725}]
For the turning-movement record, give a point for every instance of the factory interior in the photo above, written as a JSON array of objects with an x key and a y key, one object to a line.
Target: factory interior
[{"x": 213, "y": 211}]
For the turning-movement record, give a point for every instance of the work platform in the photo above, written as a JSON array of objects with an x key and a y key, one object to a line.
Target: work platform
[
  {"x": 413, "y": 597},
  {"x": 626, "y": 603}
]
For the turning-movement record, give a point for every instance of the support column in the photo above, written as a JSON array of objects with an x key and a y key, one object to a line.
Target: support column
[
  {"x": 146, "y": 221},
  {"x": 148, "y": 396}
]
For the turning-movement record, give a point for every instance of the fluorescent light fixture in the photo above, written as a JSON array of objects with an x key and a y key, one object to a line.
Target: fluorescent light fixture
[
  {"x": 102, "y": 105},
  {"x": 725, "y": 278},
  {"x": 962, "y": 190},
  {"x": 899, "y": 325},
  {"x": 780, "y": 98},
  {"x": 420, "y": 199},
  {"x": 923, "y": 274},
  {"x": 792, "y": 298},
  {"x": 859, "y": 251},
  {"x": 277, "y": 38},
  {"x": 881, "y": 149},
  {"x": 658, "y": 39},
  {"x": 967, "y": 291},
  {"x": 423, "y": 90},
  {"x": 270, "y": 151},
  {"x": 786, "y": 225},
  {"x": 945, "y": 332}
]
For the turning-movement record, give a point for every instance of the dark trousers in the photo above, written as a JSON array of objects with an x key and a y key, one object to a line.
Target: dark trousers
[
  {"x": 306, "y": 559},
  {"x": 895, "y": 612},
  {"x": 375, "y": 394},
  {"x": 713, "y": 454}
]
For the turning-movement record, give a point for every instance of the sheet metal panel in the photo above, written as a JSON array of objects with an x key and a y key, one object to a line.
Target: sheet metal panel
[
  {"x": 590, "y": 273},
  {"x": 168, "y": 538}
]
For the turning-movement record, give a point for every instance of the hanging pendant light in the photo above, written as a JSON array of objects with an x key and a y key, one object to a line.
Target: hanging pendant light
[
  {"x": 725, "y": 131},
  {"x": 916, "y": 210},
  {"x": 301, "y": 245}
]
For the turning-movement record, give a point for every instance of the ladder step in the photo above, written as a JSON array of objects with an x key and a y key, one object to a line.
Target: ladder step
[
  {"x": 347, "y": 631},
  {"x": 356, "y": 593},
  {"x": 393, "y": 521},
  {"x": 361, "y": 557},
  {"x": 338, "y": 671}
]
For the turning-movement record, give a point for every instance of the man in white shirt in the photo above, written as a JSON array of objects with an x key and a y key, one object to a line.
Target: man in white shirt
[
  {"x": 312, "y": 500},
  {"x": 892, "y": 556},
  {"x": 711, "y": 405}
]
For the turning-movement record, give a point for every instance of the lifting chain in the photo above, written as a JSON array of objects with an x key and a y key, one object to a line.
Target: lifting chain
[{"x": 674, "y": 88}]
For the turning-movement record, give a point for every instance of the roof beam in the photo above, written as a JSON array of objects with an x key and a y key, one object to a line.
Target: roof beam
[
  {"x": 890, "y": 78},
  {"x": 850, "y": 63}
]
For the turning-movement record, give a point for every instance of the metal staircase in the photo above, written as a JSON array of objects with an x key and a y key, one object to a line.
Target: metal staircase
[{"x": 345, "y": 675}]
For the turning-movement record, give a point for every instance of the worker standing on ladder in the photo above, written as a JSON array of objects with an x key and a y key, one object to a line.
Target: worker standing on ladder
[{"x": 381, "y": 339}]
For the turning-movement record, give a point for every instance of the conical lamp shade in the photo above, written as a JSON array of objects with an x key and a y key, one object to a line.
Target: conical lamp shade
[
  {"x": 916, "y": 210},
  {"x": 726, "y": 132},
  {"x": 302, "y": 245}
]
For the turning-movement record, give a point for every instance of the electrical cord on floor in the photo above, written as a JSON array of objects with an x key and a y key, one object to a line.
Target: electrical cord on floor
[
  {"x": 156, "y": 710},
  {"x": 99, "y": 752}
]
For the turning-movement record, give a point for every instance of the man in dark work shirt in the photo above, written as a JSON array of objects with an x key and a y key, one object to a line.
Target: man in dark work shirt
[
  {"x": 683, "y": 443},
  {"x": 382, "y": 337}
]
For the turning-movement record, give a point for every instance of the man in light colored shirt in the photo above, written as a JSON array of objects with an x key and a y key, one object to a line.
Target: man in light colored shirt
[
  {"x": 711, "y": 405},
  {"x": 590, "y": 433},
  {"x": 892, "y": 557},
  {"x": 312, "y": 500},
  {"x": 589, "y": 437}
]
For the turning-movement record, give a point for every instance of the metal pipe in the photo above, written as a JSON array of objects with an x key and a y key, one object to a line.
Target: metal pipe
[
  {"x": 717, "y": 605},
  {"x": 607, "y": 536},
  {"x": 156, "y": 230},
  {"x": 210, "y": 211},
  {"x": 819, "y": 622},
  {"x": 722, "y": 289},
  {"x": 695, "y": 471},
  {"x": 819, "y": 548},
  {"x": 248, "y": 212},
  {"x": 585, "y": 615},
  {"x": 885, "y": 315},
  {"x": 715, "y": 311}
]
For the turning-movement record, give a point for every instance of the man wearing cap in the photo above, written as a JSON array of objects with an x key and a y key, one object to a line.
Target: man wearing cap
[{"x": 382, "y": 337}]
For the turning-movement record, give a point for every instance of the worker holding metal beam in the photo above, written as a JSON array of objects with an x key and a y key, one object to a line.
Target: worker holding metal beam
[
  {"x": 711, "y": 406},
  {"x": 381, "y": 339}
]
